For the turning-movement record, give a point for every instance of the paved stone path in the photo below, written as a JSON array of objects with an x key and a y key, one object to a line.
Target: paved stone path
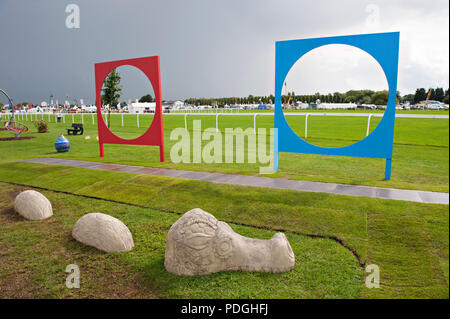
[{"x": 243, "y": 180}]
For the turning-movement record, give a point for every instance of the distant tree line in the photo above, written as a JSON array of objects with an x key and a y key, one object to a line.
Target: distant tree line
[
  {"x": 352, "y": 96},
  {"x": 437, "y": 94},
  {"x": 112, "y": 92},
  {"x": 146, "y": 98},
  {"x": 220, "y": 102}
]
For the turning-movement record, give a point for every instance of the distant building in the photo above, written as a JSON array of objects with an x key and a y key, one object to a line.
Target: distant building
[
  {"x": 141, "y": 107},
  {"x": 301, "y": 106},
  {"x": 178, "y": 105},
  {"x": 90, "y": 109},
  {"x": 330, "y": 106}
]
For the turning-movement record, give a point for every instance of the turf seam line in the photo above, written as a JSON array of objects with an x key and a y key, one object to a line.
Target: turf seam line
[{"x": 334, "y": 238}]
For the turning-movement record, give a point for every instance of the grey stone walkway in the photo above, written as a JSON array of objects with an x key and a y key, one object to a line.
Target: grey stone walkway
[{"x": 331, "y": 188}]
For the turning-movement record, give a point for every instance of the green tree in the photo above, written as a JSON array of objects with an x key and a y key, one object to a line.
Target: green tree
[
  {"x": 408, "y": 98},
  {"x": 349, "y": 99},
  {"x": 446, "y": 97},
  {"x": 146, "y": 98},
  {"x": 365, "y": 99},
  {"x": 112, "y": 89},
  {"x": 380, "y": 98},
  {"x": 420, "y": 95},
  {"x": 439, "y": 94},
  {"x": 338, "y": 97},
  {"x": 433, "y": 95}
]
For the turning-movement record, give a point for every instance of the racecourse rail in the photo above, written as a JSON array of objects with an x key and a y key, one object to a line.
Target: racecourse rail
[{"x": 42, "y": 115}]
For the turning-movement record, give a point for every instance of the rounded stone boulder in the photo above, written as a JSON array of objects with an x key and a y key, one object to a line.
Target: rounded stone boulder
[
  {"x": 33, "y": 205},
  {"x": 103, "y": 232}
]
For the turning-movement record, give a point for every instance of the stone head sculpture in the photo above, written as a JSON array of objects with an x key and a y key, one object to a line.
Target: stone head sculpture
[{"x": 199, "y": 244}]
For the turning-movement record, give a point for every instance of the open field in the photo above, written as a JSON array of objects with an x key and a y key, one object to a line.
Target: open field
[
  {"x": 420, "y": 158},
  {"x": 408, "y": 241},
  {"x": 333, "y": 236},
  {"x": 38, "y": 252}
]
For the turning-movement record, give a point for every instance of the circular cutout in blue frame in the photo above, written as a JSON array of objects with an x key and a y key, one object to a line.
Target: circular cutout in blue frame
[{"x": 384, "y": 48}]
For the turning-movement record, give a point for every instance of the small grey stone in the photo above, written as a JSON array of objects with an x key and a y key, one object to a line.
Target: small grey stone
[
  {"x": 33, "y": 205},
  {"x": 103, "y": 232}
]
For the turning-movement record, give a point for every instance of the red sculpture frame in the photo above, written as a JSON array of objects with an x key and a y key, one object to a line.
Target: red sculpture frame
[{"x": 154, "y": 134}]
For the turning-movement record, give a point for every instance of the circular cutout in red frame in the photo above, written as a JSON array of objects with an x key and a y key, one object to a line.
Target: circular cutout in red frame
[{"x": 154, "y": 134}]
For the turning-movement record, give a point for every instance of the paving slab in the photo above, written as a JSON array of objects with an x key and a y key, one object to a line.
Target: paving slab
[{"x": 257, "y": 181}]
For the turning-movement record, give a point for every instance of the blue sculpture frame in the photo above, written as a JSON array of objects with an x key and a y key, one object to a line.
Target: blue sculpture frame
[{"x": 384, "y": 48}]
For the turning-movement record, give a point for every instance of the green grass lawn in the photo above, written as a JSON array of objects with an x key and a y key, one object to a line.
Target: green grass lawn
[
  {"x": 333, "y": 236},
  {"x": 37, "y": 253},
  {"x": 420, "y": 157},
  {"x": 408, "y": 241}
]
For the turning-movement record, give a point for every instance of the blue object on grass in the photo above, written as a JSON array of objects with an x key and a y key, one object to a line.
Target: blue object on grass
[{"x": 62, "y": 144}]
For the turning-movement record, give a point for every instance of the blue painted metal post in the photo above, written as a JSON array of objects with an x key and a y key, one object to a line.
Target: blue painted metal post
[
  {"x": 378, "y": 144},
  {"x": 387, "y": 171}
]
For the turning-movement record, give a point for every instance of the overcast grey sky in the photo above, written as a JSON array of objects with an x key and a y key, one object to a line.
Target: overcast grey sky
[{"x": 212, "y": 48}]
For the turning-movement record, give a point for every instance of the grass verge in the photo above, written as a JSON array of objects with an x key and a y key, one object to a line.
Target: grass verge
[
  {"x": 420, "y": 154},
  {"x": 34, "y": 256},
  {"x": 408, "y": 241}
]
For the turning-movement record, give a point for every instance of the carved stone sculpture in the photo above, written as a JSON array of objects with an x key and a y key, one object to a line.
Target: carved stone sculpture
[
  {"x": 103, "y": 232},
  {"x": 33, "y": 205},
  {"x": 199, "y": 244}
]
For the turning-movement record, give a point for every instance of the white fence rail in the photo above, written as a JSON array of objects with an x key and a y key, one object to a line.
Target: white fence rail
[
  {"x": 42, "y": 116},
  {"x": 369, "y": 115}
]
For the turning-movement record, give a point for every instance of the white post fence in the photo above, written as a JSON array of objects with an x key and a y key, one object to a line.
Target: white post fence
[
  {"x": 306, "y": 117},
  {"x": 368, "y": 124},
  {"x": 229, "y": 113},
  {"x": 306, "y": 126},
  {"x": 217, "y": 122}
]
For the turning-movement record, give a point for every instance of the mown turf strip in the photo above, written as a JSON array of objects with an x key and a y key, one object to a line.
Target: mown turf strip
[
  {"x": 420, "y": 158},
  {"x": 37, "y": 253},
  {"x": 409, "y": 241}
]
